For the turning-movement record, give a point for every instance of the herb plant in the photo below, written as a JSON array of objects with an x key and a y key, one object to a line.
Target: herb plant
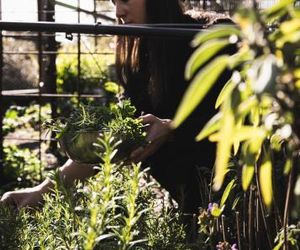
[
  {"x": 115, "y": 209},
  {"x": 78, "y": 133}
]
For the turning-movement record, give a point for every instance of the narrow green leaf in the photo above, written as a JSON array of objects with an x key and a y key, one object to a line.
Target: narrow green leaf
[
  {"x": 248, "y": 132},
  {"x": 210, "y": 127},
  {"x": 225, "y": 92},
  {"x": 278, "y": 9},
  {"x": 199, "y": 87},
  {"x": 202, "y": 55},
  {"x": 235, "y": 202},
  {"x": 254, "y": 116},
  {"x": 288, "y": 166},
  {"x": 216, "y": 211},
  {"x": 219, "y": 31},
  {"x": 224, "y": 145},
  {"x": 236, "y": 142},
  {"x": 246, "y": 106},
  {"x": 247, "y": 176},
  {"x": 265, "y": 180},
  {"x": 290, "y": 26},
  {"x": 240, "y": 57},
  {"x": 227, "y": 191},
  {"x": 293, "y": 37},
  {"x": 279, "y": 245}
]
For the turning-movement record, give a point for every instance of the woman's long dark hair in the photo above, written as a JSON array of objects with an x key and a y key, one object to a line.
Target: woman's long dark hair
[
  {"x": 158, "y": 62},
  {"x": 148, "y": 56}
]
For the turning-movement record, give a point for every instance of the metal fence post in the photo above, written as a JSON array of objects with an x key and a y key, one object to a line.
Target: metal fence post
[{"x": 1, "y": 100}]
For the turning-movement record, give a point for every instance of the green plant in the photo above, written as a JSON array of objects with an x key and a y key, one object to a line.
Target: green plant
[
  {"x": 112, "y": 210},
  {"x": 78, "y": 133},
  {"x": 258, "y": 119}
]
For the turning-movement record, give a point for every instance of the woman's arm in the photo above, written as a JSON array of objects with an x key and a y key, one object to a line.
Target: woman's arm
[{"x": 33, "y": 196}]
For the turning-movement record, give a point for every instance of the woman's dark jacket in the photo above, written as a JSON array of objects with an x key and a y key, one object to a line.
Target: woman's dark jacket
[{"x": 175, "y": 164}]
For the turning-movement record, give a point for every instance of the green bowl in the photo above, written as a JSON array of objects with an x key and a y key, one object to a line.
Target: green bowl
[{"x": 80, "y": 146}]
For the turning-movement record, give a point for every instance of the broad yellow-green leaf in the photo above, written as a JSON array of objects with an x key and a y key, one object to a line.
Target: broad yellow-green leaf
[
  {"x": 295, "y": 12},
  {"x": 219, "y": 31},
  {"x": 246, "y": 106},
  {"x": 224, "y": 145},
  {"x": 210, "y": 127},
  {"x": 255, "y": 145},
  {"x": 227, "y": 191},
  {"x": 278, "y": 9},
  {"x": 203, "y": 54},
  {"x": 199, "y": 87},
  {"x": 214, "y": 137},
  {"x": 247, "y": 176},
  {"x": 248, "y": 132},
  {"x": 288, "y": 166},
  {"x": 216, "y": 211},
  {"x": 225, "y": 93},
  {"x": 276, "y": 142},
  {"x": 265, "y": 180},
  {"x": 254, "y": 116},
  {"x": 236, "y": 141},
  {"x": 293, "y": 37},
  {"x": 297, "y": 73},
  {"x": 290, "y": 26},
  {"x": 113, "y": 87},
  {"x": 240, "y": 57}
]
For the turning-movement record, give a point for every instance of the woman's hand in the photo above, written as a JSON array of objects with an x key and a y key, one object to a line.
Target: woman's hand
[
  {"x": 31, "y": 197},
  {"x": 158, "y": 132}
]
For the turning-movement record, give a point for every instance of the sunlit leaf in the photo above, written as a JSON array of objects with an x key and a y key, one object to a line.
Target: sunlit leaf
[
  {"x": 278, "y": 9},
  {"x": 254, "y": 116},
  {"x": 265, "y": 180},
  {"x": 248, "y": 132},
  {"x": 297, "y": 186},
  {"x": 199, "y": 87},
  {"x": 219, "y": 31},
  {"x": 247, "y": 176},
  {"x": 236, "y": 141},
  {"x": 225, "y": 92},
  {"x": 290, "y": 26},
  {"x": 216, "y": 211},
  {"x": 227, "y": 191},
  {"x": 244, "y": 55},
  {"x": 288, "y": 166},
  {"x": 211, "y": 126},
  {"x": 224, "y": 144},
  {"x": 246, "y": 106},
  {"x": 235, "y": 202},
  {"x": 293, "y": 37},
  {"x": 202, "y": 55},
  {"x": 276, "y": 142}
]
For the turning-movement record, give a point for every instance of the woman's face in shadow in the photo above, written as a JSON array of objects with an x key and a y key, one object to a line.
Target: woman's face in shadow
[{"x": 131, "y": 11}]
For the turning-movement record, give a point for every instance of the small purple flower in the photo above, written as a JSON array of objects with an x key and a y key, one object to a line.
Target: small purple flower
[
  {"x": 210, "y": 207},
  {"x": 234, "y": 247}
]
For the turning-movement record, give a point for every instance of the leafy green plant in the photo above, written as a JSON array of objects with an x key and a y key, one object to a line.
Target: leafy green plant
[
  {"x": 258, "y": 105},
  {"x": 258, "y": 117},
  {"x": 115, "y": 209},
  {"x": 78, "y": 133}
]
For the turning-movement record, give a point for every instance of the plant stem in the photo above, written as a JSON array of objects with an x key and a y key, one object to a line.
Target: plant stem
[
  {"x": 286, "y": 207},
  {"x": 262, "y": 208}
]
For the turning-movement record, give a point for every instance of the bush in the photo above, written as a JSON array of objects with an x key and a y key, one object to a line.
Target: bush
[{"x": 112, "y": 210}]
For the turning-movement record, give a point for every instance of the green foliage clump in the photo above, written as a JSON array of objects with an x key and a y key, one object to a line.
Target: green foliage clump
[
  {"x": 115, "y": 209},
  {"x": 78, "y": 133},
  {"x": 258, "y": 117}
]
